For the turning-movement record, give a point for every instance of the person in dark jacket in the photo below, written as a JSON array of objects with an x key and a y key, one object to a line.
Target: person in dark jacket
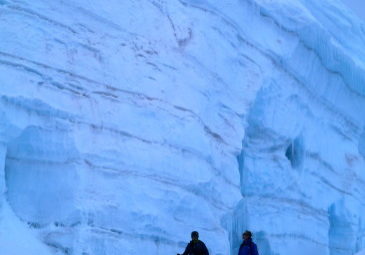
[
  {"x": 195, "y": 247},
  {"x": 248, "y": 247}
]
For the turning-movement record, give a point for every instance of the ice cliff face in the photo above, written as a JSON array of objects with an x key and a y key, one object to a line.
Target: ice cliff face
[{"x": 125, "y": 125}]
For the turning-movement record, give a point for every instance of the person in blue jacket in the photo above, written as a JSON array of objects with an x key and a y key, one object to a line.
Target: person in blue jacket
[
  {"x": 248, "y": 247},
  {"x": 195, "y": 247}
]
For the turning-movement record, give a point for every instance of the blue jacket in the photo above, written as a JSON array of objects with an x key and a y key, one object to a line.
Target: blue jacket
[{"x": 248, "y": 248}]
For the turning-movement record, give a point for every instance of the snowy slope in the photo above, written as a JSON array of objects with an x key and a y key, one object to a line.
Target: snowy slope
[
  {"x": 357, "y": 6},
  {"x": 126, "y": 125}
]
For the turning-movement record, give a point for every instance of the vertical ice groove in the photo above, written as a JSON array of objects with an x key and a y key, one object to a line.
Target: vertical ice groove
[
  {"x": 362, "y": 144},
  {"x": 343, "y": 230}
]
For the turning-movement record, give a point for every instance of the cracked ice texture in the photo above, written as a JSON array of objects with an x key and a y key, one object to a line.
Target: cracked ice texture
[{"x": 125, "y": 125}]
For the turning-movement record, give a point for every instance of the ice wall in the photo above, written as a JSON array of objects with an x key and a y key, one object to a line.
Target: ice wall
[{"x": 126, "y": 125}]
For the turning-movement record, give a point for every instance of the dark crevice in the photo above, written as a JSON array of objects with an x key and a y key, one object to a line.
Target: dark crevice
[
  {"x": 294, "y": 152},
  {"x": 59, "y": 248}
]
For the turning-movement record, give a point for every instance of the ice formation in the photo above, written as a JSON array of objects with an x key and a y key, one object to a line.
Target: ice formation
[{"x": 125, "y": 125}]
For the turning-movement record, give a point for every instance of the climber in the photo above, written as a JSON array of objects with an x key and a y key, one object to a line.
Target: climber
[
  {"x": 248, "y": 247},
  {"x": 195, "y": 247}
]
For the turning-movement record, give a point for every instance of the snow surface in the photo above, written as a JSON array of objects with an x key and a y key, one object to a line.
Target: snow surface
[
  {"x": 358, "y": 6},
  {"x": 126, "y": 125}
]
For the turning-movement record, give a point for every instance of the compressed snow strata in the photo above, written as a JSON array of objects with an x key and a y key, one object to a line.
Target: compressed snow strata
[{"x": 125, "y": 126}]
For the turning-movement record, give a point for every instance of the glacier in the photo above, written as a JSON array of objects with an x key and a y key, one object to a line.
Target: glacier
[{"x": 125, "y": 125}]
